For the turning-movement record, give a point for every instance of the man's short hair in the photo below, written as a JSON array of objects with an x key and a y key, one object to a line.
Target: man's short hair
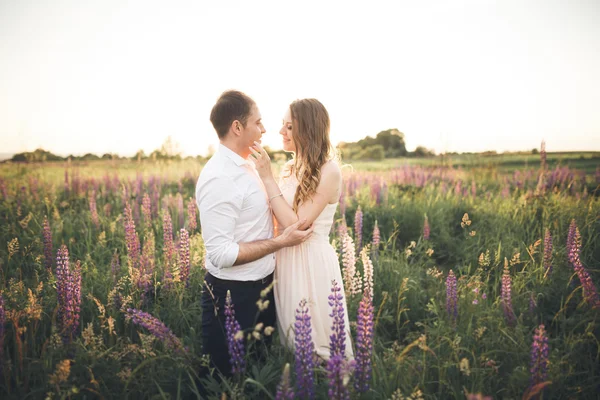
[{"x": 231, "y": 105}]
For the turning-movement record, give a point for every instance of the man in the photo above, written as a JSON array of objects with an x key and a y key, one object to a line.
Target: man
[{"x": 237, "y": 227}]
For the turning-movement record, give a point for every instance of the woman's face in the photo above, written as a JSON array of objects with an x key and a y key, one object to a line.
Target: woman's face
[{"x": 287, "y": 132}]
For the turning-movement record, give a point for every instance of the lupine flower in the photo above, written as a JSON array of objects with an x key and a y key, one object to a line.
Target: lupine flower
[
  {"x": 2, "y": 322},
  {"x": 68, "y": 289},
  {"x": 337, "y": 344},
  {"x": 358, "y": 225},
  {"x": 284, "y": 391},
  {"x": 342, "y": 229},
  {"x": 132, "y": 240},
  {"x": 507, "y": 296},
  {"x": 451, "y": 297},
  {"x": 235, "y": 343},
  {"x": 93, "y": 209},
  {"x": 364, "y": 343},
  {"x": 147, "y": 210},
  {"x": 590, "y": 294},
  {"x": 168, "y": 246},
  {"x": 426, "y": 229},
  {"x": 192, "y": 216},
  {"x": 376, "y": 240},
  {"x": 47, "y": 244},
  {"x": 304, "y": 349},
  {"x": 351, "y": 283},
  {"x": 539, "y": 357},
  {"x": 473, "y": 189},
  {"x": 157, "y": 328},
  {"x": 147, "y": 262},
  {"x": 368, "y": 272},
  {"x": 338, "y": 385},
  {"x": 183, "y": 256},
  {"x": 547, "y": 252},
  {"x": 570, "y": 239}
]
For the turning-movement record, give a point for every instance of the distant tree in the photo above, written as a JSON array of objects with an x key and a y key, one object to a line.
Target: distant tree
[
  {"x": 421, "y": 151},
  {"x": 140, "y": 155},
  {"x": 535, "y": 151},
  {"x": 375, "y": 152}
]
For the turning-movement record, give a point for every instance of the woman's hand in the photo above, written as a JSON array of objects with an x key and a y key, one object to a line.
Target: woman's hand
[{"x": 261, "y": 160}]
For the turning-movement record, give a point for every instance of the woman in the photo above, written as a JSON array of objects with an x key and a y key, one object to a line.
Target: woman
[{"x": 309, "y": 189}]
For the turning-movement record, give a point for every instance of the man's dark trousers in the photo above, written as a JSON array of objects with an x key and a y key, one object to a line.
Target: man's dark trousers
[{"x": 244, "y": 296}]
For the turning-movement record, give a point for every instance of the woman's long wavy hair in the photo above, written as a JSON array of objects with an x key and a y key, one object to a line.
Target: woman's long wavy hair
[{"x": 310, "y": 124}]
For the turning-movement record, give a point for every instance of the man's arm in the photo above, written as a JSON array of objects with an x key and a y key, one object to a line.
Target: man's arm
[{"x": 252, "y": 251}]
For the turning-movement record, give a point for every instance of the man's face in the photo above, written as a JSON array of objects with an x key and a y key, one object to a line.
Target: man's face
[{"x": 254, "y": 128}]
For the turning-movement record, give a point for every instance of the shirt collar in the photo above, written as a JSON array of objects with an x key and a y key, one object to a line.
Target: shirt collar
[{"x": 232, "y": 155}]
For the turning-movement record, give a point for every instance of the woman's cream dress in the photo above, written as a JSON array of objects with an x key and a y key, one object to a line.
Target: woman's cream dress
[{"x": 306, "y": 271}]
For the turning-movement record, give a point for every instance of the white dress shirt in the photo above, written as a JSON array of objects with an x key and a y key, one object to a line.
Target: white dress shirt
[{"x": 234, "y": 208}]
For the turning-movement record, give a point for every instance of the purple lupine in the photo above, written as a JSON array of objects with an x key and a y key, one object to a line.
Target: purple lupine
[
  {"x": 376, "y": 240},
  {"x": 539, "y": 357},
  {"x": 337, "y": 369},
  {"x": 342, "y": 201},
  {"x": 168, "y": 246},
  {"x": 132, "y": 241},
  {"x": 543, "y": 164},
  {"x": 235, "y": 342},
  {"x": 304, "y": 349},
  {"x": 47, "y": 244},
  {"x": 590, "y": 293},
  {"x": 93, "y": 209},
  {"x": 68, "y": 293},
  {"x": 337, "y": 344},
  {"x": 147, "y": 210},
  {"x": 157, "y": 328},
  {"x": 2, "y": 322},
  {"x": 183, "y": 256},
  {"x": 426, "y": 230},
  {"x": 358, "y": 225},
  {"x": 506, "y": 296},
  {"x": 570, "y": 239},
  {"x": 364, "y": 343},
  {"x": 284, "y": 391},
  {"x": 547, "y": 252},
  {"x": 451, "y": 297}
]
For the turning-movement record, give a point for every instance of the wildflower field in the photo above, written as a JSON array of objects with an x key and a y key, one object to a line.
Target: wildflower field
[{"x": 472, "y": 280}]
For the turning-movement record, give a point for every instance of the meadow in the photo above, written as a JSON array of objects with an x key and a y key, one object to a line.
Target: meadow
[{"x": 484, "y": 276}]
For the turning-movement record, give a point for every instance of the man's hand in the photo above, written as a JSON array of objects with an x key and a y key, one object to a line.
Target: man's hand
[{"x": 293, "y": 236}]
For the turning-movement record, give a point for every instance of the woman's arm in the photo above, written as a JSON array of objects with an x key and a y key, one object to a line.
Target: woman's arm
[{"x": 328, "y": 191}]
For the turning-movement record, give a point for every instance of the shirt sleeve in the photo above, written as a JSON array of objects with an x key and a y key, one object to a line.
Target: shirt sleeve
[{"x": 219, "y": 204}]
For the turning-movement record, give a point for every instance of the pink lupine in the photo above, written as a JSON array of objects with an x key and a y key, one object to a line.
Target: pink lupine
[
  {"x": 358, "y": 225},
  {"x": 183, "y": 256},
  {"x": 146, "y": 210},
  {"x": 376, "y": 240},
  {"x": 192, "y": 215},
  {"x": 93, "y": 209},
  {"x": 547, "y": 252},
  {"x": 451, "y": 297},
  {"x": 538, "y": 366},
  {"x": 68, "y": 288},
  {"x": 364, "y": 342},
  {"x": 132, "y": 240},
  {"x": 47, "y": 244},
  {"x": 168, "y": 245},
  {"x": 507, "y": 296},
  {"x": 426, "y": 230}
]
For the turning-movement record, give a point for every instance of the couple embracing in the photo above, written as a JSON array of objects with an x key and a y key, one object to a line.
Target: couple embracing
[{"x": 239, "y": 203}]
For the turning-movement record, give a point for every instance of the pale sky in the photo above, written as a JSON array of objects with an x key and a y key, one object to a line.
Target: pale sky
[{"x": 118, "y": 76}]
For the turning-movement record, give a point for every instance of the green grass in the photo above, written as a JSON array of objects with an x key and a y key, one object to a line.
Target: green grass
[{"x": 417, "y": 347}]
